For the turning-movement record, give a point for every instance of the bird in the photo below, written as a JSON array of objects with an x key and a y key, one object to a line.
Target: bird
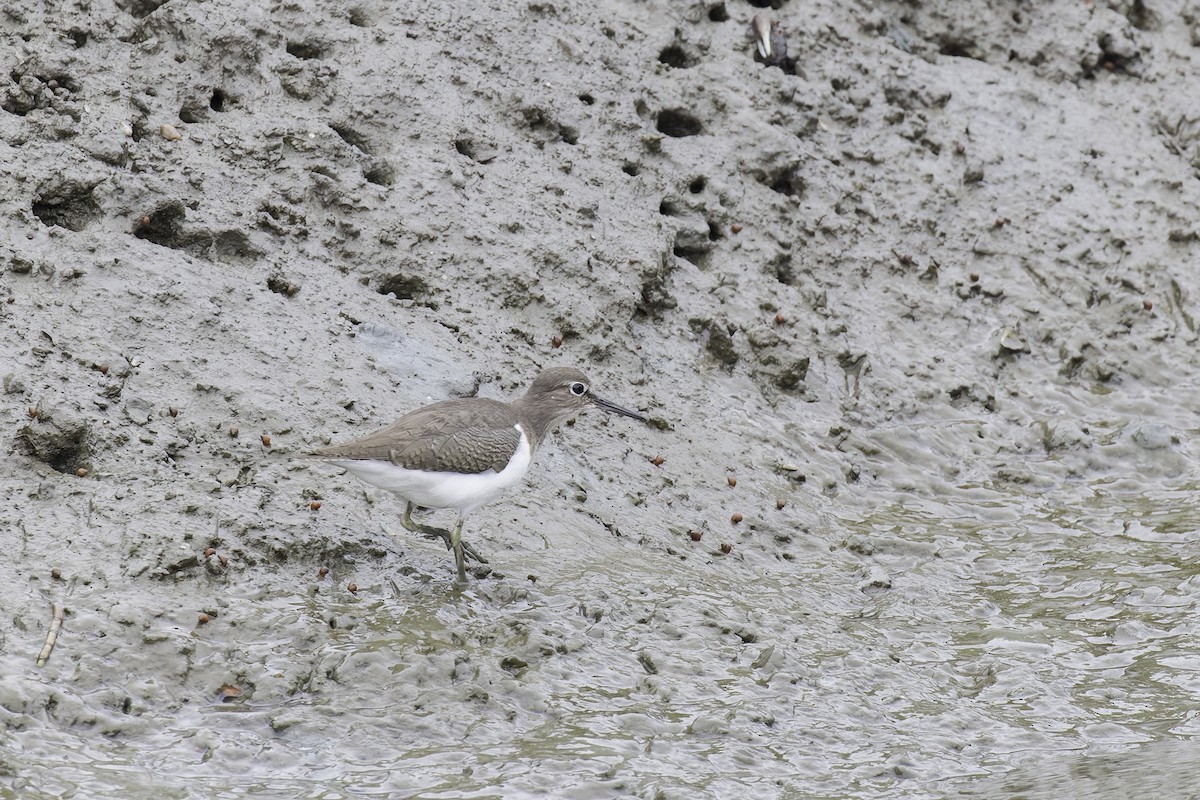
[{"x": 462, "y": 454}]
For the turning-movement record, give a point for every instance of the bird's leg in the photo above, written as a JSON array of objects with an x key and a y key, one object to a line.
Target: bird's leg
[
  {"x": 440, "y": 533},
  {"x": 457, "y": 546}
]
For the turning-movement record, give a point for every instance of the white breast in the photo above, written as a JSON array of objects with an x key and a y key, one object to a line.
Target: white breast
[{"x": 444, "y": 489}]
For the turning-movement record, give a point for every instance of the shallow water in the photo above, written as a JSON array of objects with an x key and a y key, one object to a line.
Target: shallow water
[{"x": 977, "y": 643}]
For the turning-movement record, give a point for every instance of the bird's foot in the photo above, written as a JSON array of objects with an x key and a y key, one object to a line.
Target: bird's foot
[{"x": 430, "y": 532}]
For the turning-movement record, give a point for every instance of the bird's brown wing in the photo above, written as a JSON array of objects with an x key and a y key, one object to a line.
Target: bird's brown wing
[{"x": 469, "y": 436}]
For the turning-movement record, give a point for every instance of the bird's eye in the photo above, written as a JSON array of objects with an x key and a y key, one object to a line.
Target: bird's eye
[{"x": 578, "y": 389}]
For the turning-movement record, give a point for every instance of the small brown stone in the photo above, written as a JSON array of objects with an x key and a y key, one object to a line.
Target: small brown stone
[
  {"x": 352, "y": 588},
  {"x": 81, "y": 472},
  {"x": 531, "y": 578},
  {"x": 266, "y": 440},
  {"x": 657, "y": 461},
  {"x": 173, "y": 411},
  {"x": 315, "y": 505},
  {"x": 732, "y": 480},
  {"x": 736, "y": 518},
  {"x": 33, "y": 412},
  {"x": 1146, "y": 304},
  {"x": 780, "y": 318},
  {"x": 736, "y": 228},
  {"x": 228, "y": 692},
  {"x": 54, "y": 573},
  {"x": 202, "y": 619},
  {"x": 780, "y": 503},
  {"x": 960, "y": 148},
  {"x": 322, "y": 572},
  {"x": 696, "y": 535},
  {"x": 102, "y": 369},
  {"x": 233, "y": 431},
  {"x": 209, "y": 552},
  {"x": 224, "y": 559},
  {"x": 1001, "y": 222},
  {"x": 974, "y": 277},
  {"x": 169, "y": 133},
  {"x": 726, "y": 548},
  {"x": 556, "y": 340}
]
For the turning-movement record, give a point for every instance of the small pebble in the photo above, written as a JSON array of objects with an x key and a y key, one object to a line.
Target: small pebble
[
  {"x": 169, "y": 133},
  {"x": 81, "y": 472},
  {"x": 1146, "y": 304},
  {"x": 209, "y": 552},
  {"x": 33, "y": 412},
  {"x": 780, "y": 318},
  {"x": 315, "y": 505},
  {"x": 726, "y": 548},
  {"x": 54, "y": 573},
  {"x": 556, "y": 341},
  {"x": 696, "y": 535},
  {"x": 732, "y": 480},
  {"x": 353, "y": 588},
  {"x": 228, "y": 692},
  {"x": 531, "y": 578},
  {"x": 974, "y": 277},
  {"x": 736, "y": 518},
  {"x": 322, "y": 572},
  {"x": 224, "y": 559},
  {"x": 657, "y": 461},
  {"x": 202, "y": 619},
  {"x": 780, "y": 503},
  {"x": 736, "y": 228},
  {"x": 266, "y": 440},
  {"x": 102, "y": 369},
  {"x": 233, "y": 431},
  {"x": 173, "y": 411}
]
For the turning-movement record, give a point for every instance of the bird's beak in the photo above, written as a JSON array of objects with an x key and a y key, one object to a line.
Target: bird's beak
[{"x": 613, "y": 408}]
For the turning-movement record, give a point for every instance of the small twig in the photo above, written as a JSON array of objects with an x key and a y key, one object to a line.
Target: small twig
[{"x": 51, "y": 635}]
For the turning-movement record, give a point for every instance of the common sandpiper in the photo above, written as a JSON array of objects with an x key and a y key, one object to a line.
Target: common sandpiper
[{"x": 464, "y": 453}]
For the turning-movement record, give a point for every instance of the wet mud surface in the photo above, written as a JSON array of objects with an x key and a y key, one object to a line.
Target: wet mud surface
[{"x": 911, "y": 305}]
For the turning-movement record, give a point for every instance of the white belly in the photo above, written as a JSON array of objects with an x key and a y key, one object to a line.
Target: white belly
[{"x": 444, "y": 489}]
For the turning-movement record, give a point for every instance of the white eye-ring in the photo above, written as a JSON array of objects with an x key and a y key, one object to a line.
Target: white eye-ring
[{"x": 578, "y": 389}]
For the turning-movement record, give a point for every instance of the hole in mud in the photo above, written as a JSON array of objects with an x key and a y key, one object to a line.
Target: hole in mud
[
  {"x": 70, "y": 205},
  {"x": 629, "y": 168},
  {"x": 787, "y": 182},
  {"x": 360, "y": 18},
  {"x": 163, "y": 227},
  {"x": 144, "y": 8},
  {"x": 674, "y": 56},
  {"x": 697, "y": 185},
  {"x": 718, "y": 13},
  {"x": 217, "y": 101},
  {"x": 957, "y": 48},
  {"x": 772, "y": 4},
  {"x": 669, "y": 207},
  {"x": 586, "y": 99},
  {"x": 305, "y": 50},
  {"x": 78, "y": 37},
  {"x": 677, "y": 123},
  {"x": 381, "y": 174},
  {"x": 691, "y": 248},
  {"x": 352, "y": 137},
  {"x": 405, "y": 287}
]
